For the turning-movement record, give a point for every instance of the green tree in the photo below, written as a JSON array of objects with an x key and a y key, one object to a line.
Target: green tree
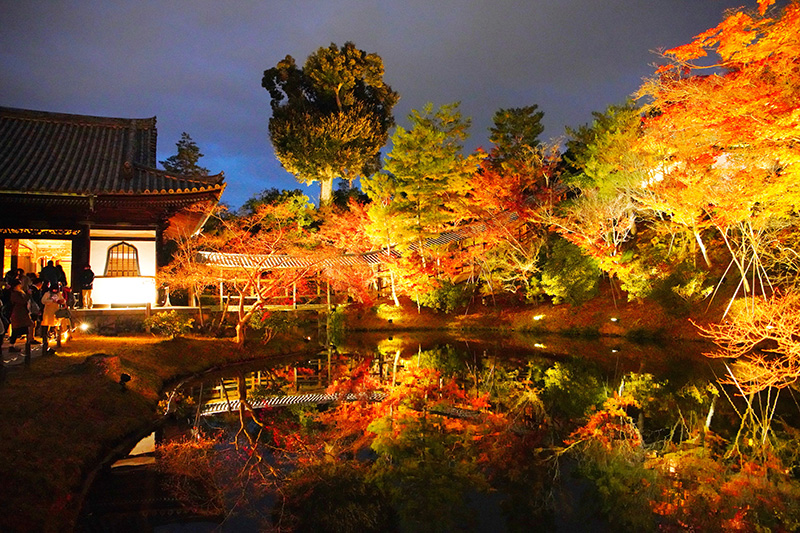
[
  {"x": 429, "y": 172},
  {"x": 185, "y": 162},
  {"x": 421, "y": 192},
  {"x": 600, "y": 168},
  {"x": 273, "y": 196},
  {"x": 511, "y": 196},
  {"x": 331, "y": 117},
  {"x": 515, "y": 135}
]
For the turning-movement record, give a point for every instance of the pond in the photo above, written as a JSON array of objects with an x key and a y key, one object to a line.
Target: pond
[{"x": 425, "y": 432}]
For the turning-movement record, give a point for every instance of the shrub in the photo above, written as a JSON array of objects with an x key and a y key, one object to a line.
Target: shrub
[
  {"x": 448, "y": 296},
  {"x": 169, "y": 323},
  {"x": 269, "y": 324},
  {"x": 568, "y": 275}
]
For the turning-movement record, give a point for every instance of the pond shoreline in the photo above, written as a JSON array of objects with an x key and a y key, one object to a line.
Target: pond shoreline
[
  {"x": 158, "y": 365},
  {"x": 603, "y": 316}
]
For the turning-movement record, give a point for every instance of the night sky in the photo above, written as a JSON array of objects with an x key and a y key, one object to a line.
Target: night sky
[{"x": 197, "y": 65}]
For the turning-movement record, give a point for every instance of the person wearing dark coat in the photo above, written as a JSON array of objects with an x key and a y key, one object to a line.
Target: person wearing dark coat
[
  {"x": 62, "y": 276},
  {"x": 36, "y": 298},
  {"x": 21, "y": 323},
  {"x": 50, "y": 275},
  {"x": 87, "y": 281}
]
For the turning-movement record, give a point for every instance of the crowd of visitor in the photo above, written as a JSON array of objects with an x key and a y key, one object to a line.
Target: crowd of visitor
[{"x": 37, "y": 304}]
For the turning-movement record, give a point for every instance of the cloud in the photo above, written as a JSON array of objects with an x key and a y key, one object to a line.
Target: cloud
[{"x": 197, "y": 64}]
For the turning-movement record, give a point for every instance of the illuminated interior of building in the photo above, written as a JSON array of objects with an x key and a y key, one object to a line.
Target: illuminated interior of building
[{"x": 33, "y": 254}]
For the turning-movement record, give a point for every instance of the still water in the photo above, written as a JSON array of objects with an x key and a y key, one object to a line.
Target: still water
[{"x": 413, "y": 432}]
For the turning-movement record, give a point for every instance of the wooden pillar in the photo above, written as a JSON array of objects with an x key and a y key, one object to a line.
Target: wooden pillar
[
  {"x": 329, "y": 295},
  {"x": 294, "y": 295},
  {"x": 80, "y": 258},
  {"x": 14, "y": 245}
]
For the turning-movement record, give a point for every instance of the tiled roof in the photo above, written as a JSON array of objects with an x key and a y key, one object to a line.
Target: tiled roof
[
  {"x": 56, "y": 153},
  {"x": 267, "y": 262}
]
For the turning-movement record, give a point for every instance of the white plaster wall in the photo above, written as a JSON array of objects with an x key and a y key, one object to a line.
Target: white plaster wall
[{"x": 123, "y": 290}]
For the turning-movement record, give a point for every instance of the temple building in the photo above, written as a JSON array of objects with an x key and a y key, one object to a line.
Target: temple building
[{"x": 81, "y": 190}]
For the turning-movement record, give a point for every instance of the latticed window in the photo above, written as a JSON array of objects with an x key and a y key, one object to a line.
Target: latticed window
[{"x": 122, "y": 260}]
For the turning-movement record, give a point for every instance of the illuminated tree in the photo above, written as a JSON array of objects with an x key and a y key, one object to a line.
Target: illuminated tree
[
  {"x": 241, "y": 253},
  {"x": 429, "y": 173},
  {"x": 762, "y": 344},
  {"x": 515, "y": 136},
  {"x": 185, "y": 162},
  {"x": 727, "y": 140},
  {"x": 510, "y": 198},
  {"x": 331, "y": 117},
  {"x": 600, "y": 167},
  {"x": 421, "y": 192}
]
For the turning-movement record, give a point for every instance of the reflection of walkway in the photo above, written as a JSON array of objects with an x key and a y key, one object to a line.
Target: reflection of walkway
[
  {"x": 283, "y": 401},
  {"x": 217, "y": 407}
]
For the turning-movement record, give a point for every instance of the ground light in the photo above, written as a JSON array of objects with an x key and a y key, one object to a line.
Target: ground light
[
  {"x": 84, "y": 327},
  {"x": 389, "y": 312}
]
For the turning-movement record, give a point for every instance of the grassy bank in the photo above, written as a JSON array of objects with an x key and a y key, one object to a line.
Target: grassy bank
[
  {"x": 605, "y": 315},
  {"x": 63, "y": 415}
]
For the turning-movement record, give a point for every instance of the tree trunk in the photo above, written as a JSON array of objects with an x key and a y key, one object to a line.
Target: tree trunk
[
  {"x": 241, "y": 320},
  {"x": 325, "y": 191},
  {"x": 394, "y": 290},
  {"x": 240, "y": 333},
  {"x": 702, "y": 246}
]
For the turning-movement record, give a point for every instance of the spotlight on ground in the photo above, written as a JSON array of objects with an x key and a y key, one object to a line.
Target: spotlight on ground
[{"x": 84, "y": 327}]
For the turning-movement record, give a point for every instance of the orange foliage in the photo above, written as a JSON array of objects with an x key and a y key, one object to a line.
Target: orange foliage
[
  {"x": 728, "y": 140},
  {"x": 609, "y": 426},
  {"x": 764, "y": 343},
  {"x": 703, "y": 494}
]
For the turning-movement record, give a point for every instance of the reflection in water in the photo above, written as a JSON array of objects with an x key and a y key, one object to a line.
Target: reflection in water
[{"x": 456, "y": 433}]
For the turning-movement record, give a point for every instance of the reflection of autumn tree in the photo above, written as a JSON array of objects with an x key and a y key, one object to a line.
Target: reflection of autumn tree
[
  {"x": 699, "y": 492},
  {"x": 331, "y": 497},
  {"x": 764, "y": 346},
  {"x": 193, "y": 475}
]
